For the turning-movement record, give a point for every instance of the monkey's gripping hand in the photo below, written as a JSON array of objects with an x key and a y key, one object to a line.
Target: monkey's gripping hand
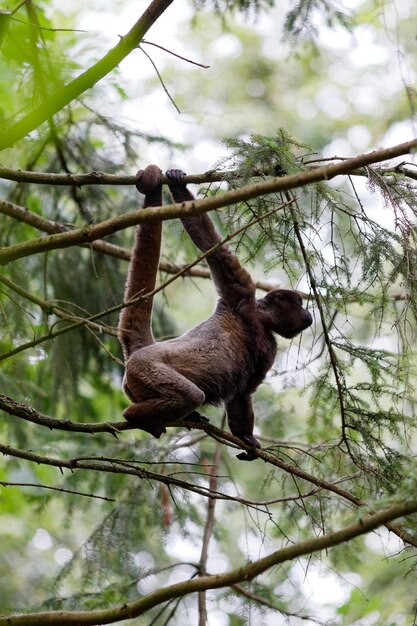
[
  {"x": 249, "y": 455},
  {"x": 175, "y": 176}
]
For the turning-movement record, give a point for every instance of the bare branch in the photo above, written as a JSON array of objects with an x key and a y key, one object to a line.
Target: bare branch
[
  {"x": 246, "y": 572},
  {"x": 12, "y": 407},
  {"x": 161, "y": 80},
  {"x": 207, "y": 534},
  {"x": 151, "y": 43},
  {"x": 61, "y": 489}
]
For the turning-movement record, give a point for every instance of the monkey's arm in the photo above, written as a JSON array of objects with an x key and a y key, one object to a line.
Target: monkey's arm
[
  {"x": 135, "y": 320},
  {"x": 232, "y": 281}
]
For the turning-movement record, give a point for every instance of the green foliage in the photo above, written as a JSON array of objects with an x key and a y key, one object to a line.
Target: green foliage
[
  {"x": 300, "y": 20},
  {"x": 240, "y": 5},
  {"x": 263, "y": 156}
]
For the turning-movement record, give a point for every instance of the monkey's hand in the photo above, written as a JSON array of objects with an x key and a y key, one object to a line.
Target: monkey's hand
[
  {"x": 175, "y": 176},
  {"x": 249, "y": 455}
]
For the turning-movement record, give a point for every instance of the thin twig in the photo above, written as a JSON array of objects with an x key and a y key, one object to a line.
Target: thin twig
[
  {"x": 70, "y": 491},
  {"x": 160, "y": 78},
  {"x": 175, "y": 54}
]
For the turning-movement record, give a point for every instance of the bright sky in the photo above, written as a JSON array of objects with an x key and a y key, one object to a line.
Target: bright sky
[{"x": 360, "y": 52}]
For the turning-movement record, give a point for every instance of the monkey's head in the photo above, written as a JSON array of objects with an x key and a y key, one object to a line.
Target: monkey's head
[
  {"x": 148, "y": 179},
  {"x": 281, "y": 310}
]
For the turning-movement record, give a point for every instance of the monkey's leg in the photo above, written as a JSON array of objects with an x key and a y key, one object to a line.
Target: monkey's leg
[
  {"x": 161, "y": 396},
  {"x": 241, "y": 419}
]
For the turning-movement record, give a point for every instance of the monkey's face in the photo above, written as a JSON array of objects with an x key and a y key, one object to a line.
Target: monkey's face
[{"x": 282, "y": 311}]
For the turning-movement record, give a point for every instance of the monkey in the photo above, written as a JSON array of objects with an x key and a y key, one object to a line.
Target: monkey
[{"x": 220, "y": 360}]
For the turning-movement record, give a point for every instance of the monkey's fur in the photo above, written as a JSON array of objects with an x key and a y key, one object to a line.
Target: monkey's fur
[{"x": 224, "y": 358}]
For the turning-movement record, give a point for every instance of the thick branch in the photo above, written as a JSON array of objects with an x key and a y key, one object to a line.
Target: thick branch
[
  {"x": 21, "y": 214},
  {"x": 23, "y": 411},
  {"x": 66, "y": 93},
  {"x": 245, "y": 573},
  {"x": 197, "y": 207}
]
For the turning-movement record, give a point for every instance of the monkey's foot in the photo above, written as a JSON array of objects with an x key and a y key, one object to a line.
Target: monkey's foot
[
  {"x": 132, "y": 415},
  {"x": 196, "y": 418},
  {"x": 249, "y": 455}
]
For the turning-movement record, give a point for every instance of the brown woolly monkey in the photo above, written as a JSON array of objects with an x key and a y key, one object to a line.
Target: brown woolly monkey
[{"x": 224, "y": 358}]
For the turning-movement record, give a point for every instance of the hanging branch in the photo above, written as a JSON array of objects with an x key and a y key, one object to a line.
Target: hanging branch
[
  {"x": 197, "y": 207},
  {"x": 208, "y": 532},
  {"x": 337, "y": 372}
]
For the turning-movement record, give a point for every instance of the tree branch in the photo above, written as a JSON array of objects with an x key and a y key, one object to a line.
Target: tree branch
[
  {"x": 197, "y": 207},
  {"x": 10, "y": 406},
  {"x": 23, "y": 411},
  {"x": 210, "y": 176},
  {"x": 112, "y": 466},
  {"x": 216, "y": 581},
  {"x": 118, "y": 307},
  {"x": 207, "y": 534},
  {"x": 49, "y": 307},
  {"x": 21, "y": 214},
  {"x": 61, "y": 489}
]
